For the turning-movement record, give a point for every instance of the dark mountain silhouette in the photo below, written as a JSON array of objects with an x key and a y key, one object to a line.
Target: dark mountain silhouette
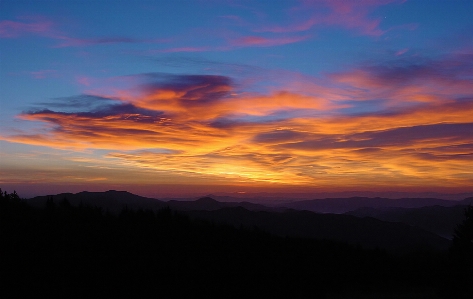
[
  {"x": 366, "y": 232},
  {"x": 62, "y": 250},
  {"x": 112, "y": 200},
  {"x": 266, "y": 198},
  {"x": 209, "y": 204},
  {"x": 204, "y": 203},
  {"x": 439, "y": 220},
  {"x": 115, "y": 200},
  {"x": 343, "y": 205},
  {"x": 413, "y": 229},
  {"x": 467, "y": 201}
]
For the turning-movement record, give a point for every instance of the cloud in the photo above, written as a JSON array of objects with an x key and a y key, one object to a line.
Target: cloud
[
  {"x": 412, "y": 80},
  {"x": 260, "y": 41},
  {"x": 401, "y": 52},
  {"x": 239, "y": 42},
  {"x": 322, "y": 132},
  {"x": 83, "y": 80},
  {"x": 43, "y": 74},
  {"x": 76, "y": 42},
  {"x": 42, "y": 26},
  {"x": 13, "y": 29},
  {"x": 67, "y": 41},
  {"x": 414, "y": 136},
  {"x": 185, "y": 49},
  {"x": 349, "y": 15}
]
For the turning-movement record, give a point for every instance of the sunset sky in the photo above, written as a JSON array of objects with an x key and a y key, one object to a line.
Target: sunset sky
[{"x": 170, "y": 98}]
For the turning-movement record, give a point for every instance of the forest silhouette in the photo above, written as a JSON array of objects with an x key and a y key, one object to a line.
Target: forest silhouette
[{"x": 84, "y": 251}]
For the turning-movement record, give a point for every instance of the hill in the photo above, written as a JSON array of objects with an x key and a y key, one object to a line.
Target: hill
[
  {"x": 343, "y": 205},
  {"x": 436, "y": 219},
  {"x": 76, "y": 252},
  {"x": 365, "y": 232},
  {"x": 377, "y": 222},
  {"x": 112, "y": 200}
]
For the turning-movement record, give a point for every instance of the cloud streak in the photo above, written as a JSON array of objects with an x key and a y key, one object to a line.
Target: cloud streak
[
  {"x": 14, "y": 29},
  {"x": 259, "y": 41},
  {"x": 41, "y": 26},
  {"x": 421, "y": 132},
  {"x": 349, "y": 15}
]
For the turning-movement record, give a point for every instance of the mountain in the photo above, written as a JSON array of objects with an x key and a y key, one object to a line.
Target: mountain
[
  {"x": 395, "y": 229},
  {"x": 278, "y": 198},
  {"x": 436, "y": 219},
  {"x": 343, "y": 205},
  {"x": 210, "y": 204},
  {"x": 112, "y": 200},
  {"x": 366, "y": 232},
  {"x": 467, "y": 201}
]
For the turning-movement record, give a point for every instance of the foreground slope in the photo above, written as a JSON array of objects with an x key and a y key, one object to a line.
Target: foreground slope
[
  {"x": 436, "y": 219},
  {"x": 366, "y": 232},
  {"x": 78, "y": 252}
]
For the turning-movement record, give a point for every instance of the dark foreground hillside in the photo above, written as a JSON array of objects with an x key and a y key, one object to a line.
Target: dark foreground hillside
[{"x": 78, "y": 252}]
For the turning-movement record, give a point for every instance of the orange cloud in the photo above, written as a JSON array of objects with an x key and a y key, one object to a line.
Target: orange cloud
[{"x": 420, "y": 132}]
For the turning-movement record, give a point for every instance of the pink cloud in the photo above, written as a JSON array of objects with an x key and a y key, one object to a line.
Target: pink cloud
[
  {"x": 11, "y": 29},
  {"x": 353, "y": 15},
  {"x": 266, "y": 42},
  {"x": 74, "y": 42},
  {"x": 42, "y": 74},
  {"x": 82, "y": 80},
  {"x": 401, "y": 52},
  {"x": 43, "y": 27},
  {"x": 77, "y": 42},
  {"x": 236, "y": 19},
  {"x": 416, "y": 82},
  {"x": 246, "y": 41},
  {"x": 185, "y": 49}
]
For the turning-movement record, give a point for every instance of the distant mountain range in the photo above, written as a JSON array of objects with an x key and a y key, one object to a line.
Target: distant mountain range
[
  {"x": 366, "y": 232},
  {"x": 344, "y": 205},
  {"x": 393, "y": 224},
  {"x": 436, "y": 219},
  {"x": 114, "y": 201},
  {"x": 279, "y": 198}
]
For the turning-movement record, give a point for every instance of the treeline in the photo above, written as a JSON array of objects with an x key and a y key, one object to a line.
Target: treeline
[{"x": 83, "y": 251}]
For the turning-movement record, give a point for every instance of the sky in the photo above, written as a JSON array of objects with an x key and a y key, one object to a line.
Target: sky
[{"x": 172, "y": 98}]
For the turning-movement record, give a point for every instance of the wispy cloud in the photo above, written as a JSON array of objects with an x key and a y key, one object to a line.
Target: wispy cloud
[
  {"x": 13, "y": 29},
  {"x": 184, "y": 49},
  {"x": 42, "y": 26},
  {"x": 401, "y": 52},
  {"x": 42, "y": 74},
  {"x": 267, "y": 42},
  {"x": 349, "y": 15},
  {"x": 76, "y": 42},
  {"x": 209, "y": 125}
]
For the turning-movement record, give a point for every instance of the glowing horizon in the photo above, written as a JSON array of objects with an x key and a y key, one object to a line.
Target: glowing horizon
[{"x": 238, "y": 109}]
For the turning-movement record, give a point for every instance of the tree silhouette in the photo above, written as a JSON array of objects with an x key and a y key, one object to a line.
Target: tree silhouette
[
  {"x": 50, "y": 204},
  {"x": 461, "y": 257},
  {"x": 76, "y": 251}
]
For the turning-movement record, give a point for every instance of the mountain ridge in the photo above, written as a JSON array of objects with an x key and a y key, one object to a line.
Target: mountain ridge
[{"x": 284, "y": 221}]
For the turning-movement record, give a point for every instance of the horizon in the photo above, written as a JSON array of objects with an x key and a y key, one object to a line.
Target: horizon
[
  {"x": 268, "y": 197},
  {"x": 289, "y": 98}
]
